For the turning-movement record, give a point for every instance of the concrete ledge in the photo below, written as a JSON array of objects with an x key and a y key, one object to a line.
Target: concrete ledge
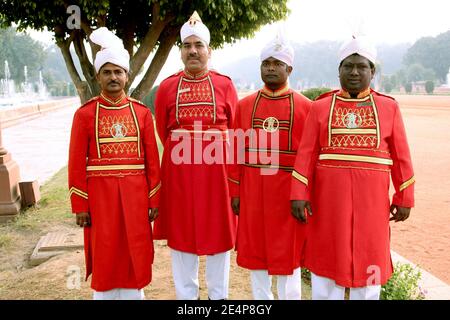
[
  {"x": 435, "y": 289},
  {"x": 15, "y": 115}
]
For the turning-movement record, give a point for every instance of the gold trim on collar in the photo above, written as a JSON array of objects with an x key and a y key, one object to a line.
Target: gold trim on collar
[
  {"x": 234, "y": 181},
  {"x": 275, "y": 93},
  {"x": 116, "y": 167},
  {"x": 407, "y": 183},
  {"x": 154, "y": 190},
  {"x": 300, "y": 178},
  {"x": 350, "y": 157},
  {"x": 114, "y": 107},
  {"x": 114, "y": 102},
  {"x": 195, "y": 76},
  {"x": 345, "y": 95}
]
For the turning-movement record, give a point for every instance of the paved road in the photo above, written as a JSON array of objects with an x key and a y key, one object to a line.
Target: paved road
[{"x": 40, "y": 146}]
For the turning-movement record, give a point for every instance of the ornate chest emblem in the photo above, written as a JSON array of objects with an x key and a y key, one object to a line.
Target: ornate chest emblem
[
  {"x": 271, "y": 124},
  {"x": 118, "y": 130},
  {"x": 352, "y": 120}
]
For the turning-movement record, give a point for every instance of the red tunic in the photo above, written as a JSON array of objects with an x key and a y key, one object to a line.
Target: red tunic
[
  {"x": 269, "y": 237},
  {"x": 349, "y": 149},
  {"x": 195, "y": 214},
  {"x": 114, "y": 175}
]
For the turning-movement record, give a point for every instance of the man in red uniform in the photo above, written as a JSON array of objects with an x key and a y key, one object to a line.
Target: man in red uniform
[
  {"x": 269, "y": 240},
  {"x": 354, "y": 141},
  {"x": 114, "y": 178},
  {"x": 194, "y": 109}
]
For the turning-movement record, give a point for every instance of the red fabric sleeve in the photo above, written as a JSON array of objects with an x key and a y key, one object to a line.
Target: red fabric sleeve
[
  {"x": 232, "y": 101},
  {"x": 152, "y": 166},
  {"x": 78, "y": 150},
  {"x": 234, "y": 168},
  {"x": 402, "y": 171},
  {"x": 161, "y": 112},
  {"x": 306, "y": 159}
]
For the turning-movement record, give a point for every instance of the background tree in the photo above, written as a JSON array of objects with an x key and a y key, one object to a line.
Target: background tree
[
  {"x": 144, "y": 26},
  {"x": 408, "y": 87},
  {"x": 386, "y": 84},
  {"x": 20, "y": 50},
  {"x": 429, "y": 86},
  {"x": 432, "y": 53}
]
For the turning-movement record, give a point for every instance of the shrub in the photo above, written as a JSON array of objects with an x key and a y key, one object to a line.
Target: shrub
[
  {"x": 149, "y": 99},
  {"x": 429, "y": 86},
  {"x": 403, "y": 285},
  {"x": 313, "y": 93},
  {"x": 408, "y": 87},
  {"x": 388, "y": 87}
]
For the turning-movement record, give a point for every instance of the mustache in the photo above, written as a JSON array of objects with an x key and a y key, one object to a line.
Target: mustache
[{"x": 113, "y": 81}]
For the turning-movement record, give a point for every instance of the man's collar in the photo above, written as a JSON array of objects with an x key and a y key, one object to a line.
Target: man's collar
[
  {"x": 362, "y": 94},
  {"x": 195, "y": 76},
  {"x": 275, "y": 93},
  {"x": 113, "y": 101}
]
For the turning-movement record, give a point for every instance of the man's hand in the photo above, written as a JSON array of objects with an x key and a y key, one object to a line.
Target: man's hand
[
  {"x": 298, "y": 209},
  {"x": 83, "y": 219},
  {"x": 399, "y": 213},
  {"x": 153, "y": 214},
  {"x": 235, "y": 205}
]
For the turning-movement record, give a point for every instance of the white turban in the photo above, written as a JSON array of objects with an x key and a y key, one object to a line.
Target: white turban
[
  {"x": 360, "y": 45},
  {"x": 279, "y": 48},
  {"x": 112, "y": 50},
  {"x": 195, "y": 27}
]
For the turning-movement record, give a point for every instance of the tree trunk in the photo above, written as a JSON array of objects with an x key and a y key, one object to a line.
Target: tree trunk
[
  {"x": 148, "y": 43},
  {"x": 81, "y": 86},
  {"x": 156, "y": 65},
  {"x": 86, "y": 66}
]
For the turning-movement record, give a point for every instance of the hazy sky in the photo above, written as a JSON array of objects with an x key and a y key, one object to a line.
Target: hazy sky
[{"x": 385, "y": 21}]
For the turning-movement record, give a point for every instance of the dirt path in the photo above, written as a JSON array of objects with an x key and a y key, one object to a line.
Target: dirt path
[{"x": 425, "y": 237}]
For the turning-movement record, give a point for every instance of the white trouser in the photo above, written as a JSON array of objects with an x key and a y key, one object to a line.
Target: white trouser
[
  {"x": 327, "y": 289},
  {"x": 120, "y": 294},
  {"x": 185, "y": 275},
  {"x": 289, "y": 287}
]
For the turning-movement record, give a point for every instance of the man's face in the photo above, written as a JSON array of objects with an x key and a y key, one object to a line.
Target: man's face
[
  {"x": 355, "y": 74},
  {"x": 195, "y": 54},
  {"x": 274, "y": 72},
  {"x": 112, "y": 78}
]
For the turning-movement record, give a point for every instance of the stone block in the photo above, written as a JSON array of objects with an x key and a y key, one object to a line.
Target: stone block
[
  {"x": 29, "y": 190},
  {"x": 55, "y": 243}
]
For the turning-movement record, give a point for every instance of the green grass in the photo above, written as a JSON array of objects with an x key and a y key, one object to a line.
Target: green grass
[{"x": 19, "y": 235}]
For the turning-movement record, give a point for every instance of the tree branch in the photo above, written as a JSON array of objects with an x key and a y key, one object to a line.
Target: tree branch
[
  {"x": 64, "y": 47},
  {"x": 149, "y": 41},
  {"x": 86, "y": 65},
  {"x": 157, "y": 63}
]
